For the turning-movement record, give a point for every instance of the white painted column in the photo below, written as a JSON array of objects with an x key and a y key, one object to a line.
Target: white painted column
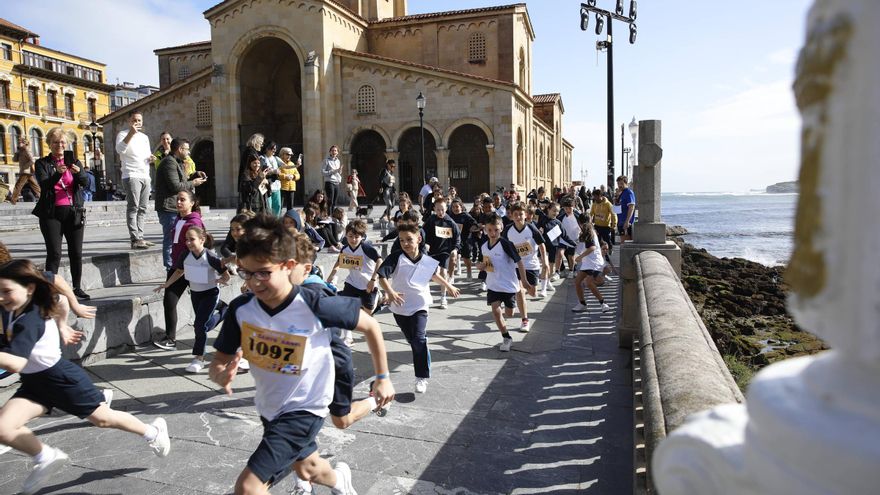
[{"x": 812, "y": 425}]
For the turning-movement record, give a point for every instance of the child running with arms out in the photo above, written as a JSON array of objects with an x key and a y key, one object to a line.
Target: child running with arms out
[
  {"x": 285, "y": 333},
  {"x": 529, "y": 243},
  {"x": 502, "y": 264},
  {"x": 201, "y": 268},
  {"x": 590, "y": 267},
  {"x": 30, "y": 345},
  {"x": 404, "y": 276},
  {"x": 361, "y": 260}
]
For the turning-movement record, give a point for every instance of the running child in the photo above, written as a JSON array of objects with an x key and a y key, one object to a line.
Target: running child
[
  {"x": 443, "y": 240},
  {"x": 590, "y": 265},
  {"x": 361, "y": 259},
  {"x": 529, "y": 244},
  {"x": 30, "y": 346},
  {"x": 284, "y": 331},
  {"x": 404, "y": 276},
  {"x": 502, "y": 263},
  {"x": 570, "y": 219},
  {"x": 201, "y": 268},
  {"x": 466, "y": 224}
]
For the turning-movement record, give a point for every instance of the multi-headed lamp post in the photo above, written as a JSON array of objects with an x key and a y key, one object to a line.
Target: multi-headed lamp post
[{"x": 601, "y": 14}]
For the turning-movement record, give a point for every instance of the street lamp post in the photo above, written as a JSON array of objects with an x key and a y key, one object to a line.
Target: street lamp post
[
  {"x": 420, "y": 103},
  {"x": 625, "y": 162},
  {"x": 634, "y": 132},
  {"x": 601, "y": 15},
  {"x": 93, "y": 128}
]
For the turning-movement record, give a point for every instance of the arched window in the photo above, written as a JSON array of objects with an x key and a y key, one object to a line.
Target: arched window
[
  {"x": 3, "y": 143},
  {"x": 183, "y": 72},
  {"x": 477, "y": 48},
  {"x": 366, "y": 99},
  {"x": 203, "y": 113},
  {"x": 522, "y": 68},
  {"x": 14, "y": 137},
  {"x": 87, "y": 143},
  {"x": 36, "y": 142},
  {"x": 520, "y": 166}
]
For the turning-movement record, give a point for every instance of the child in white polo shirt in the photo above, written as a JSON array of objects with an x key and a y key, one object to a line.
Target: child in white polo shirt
[
  {"x": 361, "y": 259},
  {"x": 529, "y": 243},
  {"x": 404, "y": 276}
]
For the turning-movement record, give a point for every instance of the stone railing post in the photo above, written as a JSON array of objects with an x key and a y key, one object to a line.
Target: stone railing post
[
  {"x": 811, "y": 425},
  {"x": 650, "y": 236}
]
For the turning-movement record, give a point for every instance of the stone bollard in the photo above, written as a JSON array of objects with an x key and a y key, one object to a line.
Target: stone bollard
[
  {"x": 811, "y": 425},
  {"x": 649, "y": 232}
]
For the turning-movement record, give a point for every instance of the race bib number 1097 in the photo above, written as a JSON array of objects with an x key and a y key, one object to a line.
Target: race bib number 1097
[{"x": 269, "y": 350}]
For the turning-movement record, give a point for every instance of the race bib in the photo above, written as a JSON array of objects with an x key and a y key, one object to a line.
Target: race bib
[
  {"x": 524, "y": 249},
  {"x": 487, "y": 260},
  {"x": 269, "y": 350},
  {"x": 443, "y": 232},
  {"x": 350, "y": 262}
]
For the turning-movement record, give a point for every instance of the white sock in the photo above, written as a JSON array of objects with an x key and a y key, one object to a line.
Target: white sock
[
  {"x": 45, "y": 455},
  {"x": 151, "y": 433},
  {"x": 373, "y": 404},
  {"x": 338, "y": 485},
  {"x": 305, "y": 485}
]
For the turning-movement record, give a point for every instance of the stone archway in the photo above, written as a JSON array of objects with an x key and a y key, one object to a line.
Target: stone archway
[
  {"x": 469, "y": 161},
  {"x": 368, "y": 158},
  {"x": 203, "y": 156},
  {"x": 409, "y": 165},
  {"x": 270, "y": 84}
]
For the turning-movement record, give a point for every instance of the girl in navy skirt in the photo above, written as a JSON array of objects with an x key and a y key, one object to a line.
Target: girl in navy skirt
[{"x": 30, "y": 345}]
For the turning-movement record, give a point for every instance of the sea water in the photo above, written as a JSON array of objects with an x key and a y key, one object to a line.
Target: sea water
[{"x": 755, "y": 226}]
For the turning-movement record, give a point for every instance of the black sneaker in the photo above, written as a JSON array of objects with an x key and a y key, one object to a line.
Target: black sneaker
[
  {"x": 166, "y": 344},
  {"x": 81, "y": 294}
]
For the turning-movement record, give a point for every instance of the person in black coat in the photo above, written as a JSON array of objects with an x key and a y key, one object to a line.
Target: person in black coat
[{"x": 60, "y": 207}]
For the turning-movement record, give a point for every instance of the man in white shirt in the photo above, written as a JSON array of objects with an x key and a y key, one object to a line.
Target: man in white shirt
[
  {"x": 136, "y": 156},
  {"x": 426, "y": 191}
]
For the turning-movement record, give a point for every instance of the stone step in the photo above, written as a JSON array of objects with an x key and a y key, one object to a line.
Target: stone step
[{"x": 19, "y": 218}]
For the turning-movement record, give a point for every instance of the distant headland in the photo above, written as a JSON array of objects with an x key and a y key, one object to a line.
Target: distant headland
[{"x": 783, "y": 187}]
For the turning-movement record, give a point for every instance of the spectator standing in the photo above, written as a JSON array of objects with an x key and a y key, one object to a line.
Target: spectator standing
[
  {"x": 171, "y": 178},
  {"x": 604, "y": 219},
  {"x": 427, "y": 191},
  {"x": 25, "y": 160},
  {"x": 89, "y": 190},
  {"x": 387, "y": 189},
  {"x": 270, "y": 164},
  {"x": 332, "y": 171},
  {"x": 60, "y": 207},
  {"x": 253, "y": 187},
  {"x": 133, "y": 147},
  {"x": 354, "y": 190},
  {"x": 626, "y": 217},
  {"x": 252, "y": 147},
  {"x": 288, "y": 174}
]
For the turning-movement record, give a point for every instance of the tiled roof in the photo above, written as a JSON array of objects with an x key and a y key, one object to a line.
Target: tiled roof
[
  {"x": 421, "y": 66},
  {"x": 158, "y": 94},
  {"x": 187, "y": 45},
  {"x": 338, "y": 4},
  {"x": 4, "y": 24},
  {"x": 547, "y": 99},
  {"x": 433, "y": 15}
]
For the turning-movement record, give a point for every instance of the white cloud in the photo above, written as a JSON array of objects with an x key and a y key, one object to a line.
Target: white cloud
[
  {"x": 756, "y": 111},
  {"x": 783, "y": 56}
]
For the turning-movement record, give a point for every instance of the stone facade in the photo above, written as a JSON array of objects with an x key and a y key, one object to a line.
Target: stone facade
[{"x": 313, "y": 73}]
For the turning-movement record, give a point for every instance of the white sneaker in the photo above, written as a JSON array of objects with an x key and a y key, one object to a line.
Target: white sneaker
[
  {"x": 605, "y": 308},
  {"x": 421, "y": 385},
  {"x": 609, "y": 278},
  {"x": 555, "y": 277},
  {"x": 301, "y": 487},
  {"x": 443, "y": 303},
  {"x": 41, "y": 472},
  {"x": 543, "y": 293},
  {"x": 524, "y": 326},
  {"x": 343, "y": 473},
  {"x": 551, "y": 287},
  {"x": 483, "y": 287},
  {"x": 161, "y": 445},
  {"x": 195, "y": 366},
  {"x": 108, "y": 396},
  {"x": 505, "y": 345},
  {"x": 579, "y": 308},
  {"x": 243, "y": 365}
]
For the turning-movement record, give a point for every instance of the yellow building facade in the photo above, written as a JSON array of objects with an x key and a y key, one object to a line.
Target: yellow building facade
[{"x": 42, "y": 88}]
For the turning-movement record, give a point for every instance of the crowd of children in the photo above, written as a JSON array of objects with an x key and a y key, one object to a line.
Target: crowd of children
[{"x": 292, "y": 330}]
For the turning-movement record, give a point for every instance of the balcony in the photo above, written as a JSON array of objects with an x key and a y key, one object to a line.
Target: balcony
[
  {"x": 13, "y": 107},
  {"x": 55, "y": 114}
]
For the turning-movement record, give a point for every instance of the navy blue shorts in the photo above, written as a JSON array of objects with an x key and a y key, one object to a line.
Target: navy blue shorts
[
  {"x": 592, "y": 273},
  {"x": 286, "y": 439},
  {"x": 531, "y": 276},
  {"x": 442, "y": 258},
  {"x": 368, "y": 299},
  {"x": 65, "y": 386},
  {"x": 508, "y": 298},
  {"x": 551, "y": 252},
  {"x": 343, "y": 386}
]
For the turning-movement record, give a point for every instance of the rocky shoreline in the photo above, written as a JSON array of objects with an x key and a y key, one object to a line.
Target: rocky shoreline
[{"x": 742, "y": 304}]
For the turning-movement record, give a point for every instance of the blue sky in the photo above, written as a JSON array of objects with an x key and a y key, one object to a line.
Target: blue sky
[{"x": 717, "y": 74}]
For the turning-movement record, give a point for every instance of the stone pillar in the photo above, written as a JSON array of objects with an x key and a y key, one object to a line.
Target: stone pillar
[
  {"x": 647, "y": 236},
  {"x": 313, "y": 147},
  {"x": 443, "y": 165},
  {"x": 224, "y": 96},
  {"x": 345, "y": 161},
  {"x": 811, "y": 425}
]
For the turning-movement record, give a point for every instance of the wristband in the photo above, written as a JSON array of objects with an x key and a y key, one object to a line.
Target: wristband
[{"x": 382, "y": 376}]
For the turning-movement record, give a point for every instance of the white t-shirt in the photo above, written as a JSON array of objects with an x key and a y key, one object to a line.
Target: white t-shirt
[
  {"x": 526, "y": 242},
  {"x": 31, "y": 337},
  {"x": 407, "y": 277},
  {"x": 593, "y": 261},
  {"x": 360, "y": 263},
  {"x": 201, "y": 272},
  {"x": 426, "y": 191},
  {"x": 135, "y": 156},
  {"x": 501, "y": 260},
  {"x": 571, "y": 226},
  {"x": 301, "y": 377}
]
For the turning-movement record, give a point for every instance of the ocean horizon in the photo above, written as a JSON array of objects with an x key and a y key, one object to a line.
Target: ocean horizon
[{"x": 754, "y": 225}]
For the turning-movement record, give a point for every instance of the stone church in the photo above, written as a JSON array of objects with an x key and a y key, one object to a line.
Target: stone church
[{"x": 314, "y": 73}]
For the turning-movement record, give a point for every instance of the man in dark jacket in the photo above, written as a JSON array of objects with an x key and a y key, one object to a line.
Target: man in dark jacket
[{"x": 170, "y": 180}]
